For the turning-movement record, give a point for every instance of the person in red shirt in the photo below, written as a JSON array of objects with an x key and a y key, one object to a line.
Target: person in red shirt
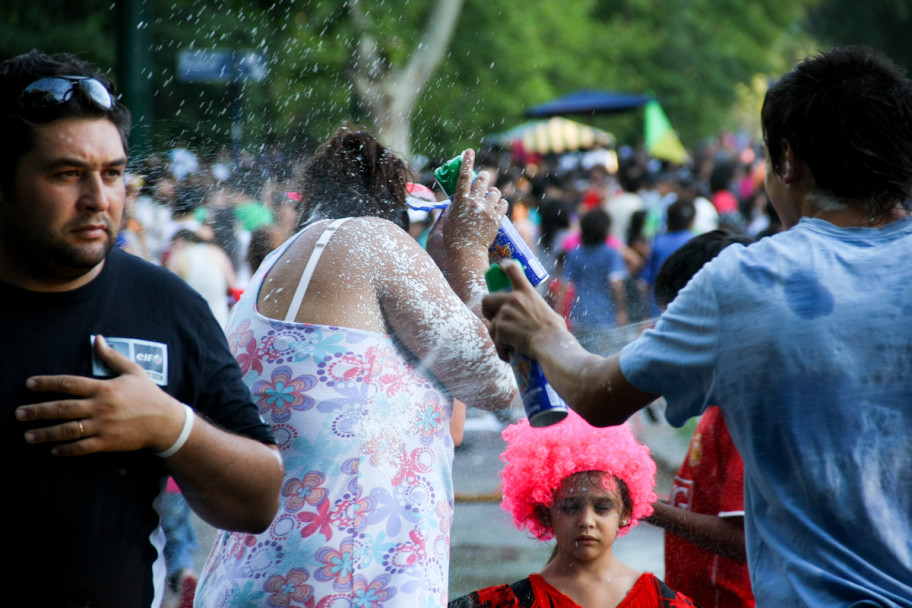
[{"x": 704, "y": 516}]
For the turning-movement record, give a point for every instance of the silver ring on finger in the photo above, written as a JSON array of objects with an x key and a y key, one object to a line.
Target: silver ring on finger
[{"x": 81, "y": 429}]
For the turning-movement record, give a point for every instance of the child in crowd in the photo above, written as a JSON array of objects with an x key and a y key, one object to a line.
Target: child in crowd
[
  {"x": 704, "y": 517},
  {"x": 584, "y": 486},
  {"x": 560, "y": 292},
  {"x": 680, "y": 218},
  {"x": 597, "y": 272}
]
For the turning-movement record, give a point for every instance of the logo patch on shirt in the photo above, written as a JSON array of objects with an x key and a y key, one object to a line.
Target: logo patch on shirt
[
  {"x": 695, "y": 454},
  {"x": 151, "y": 356}
]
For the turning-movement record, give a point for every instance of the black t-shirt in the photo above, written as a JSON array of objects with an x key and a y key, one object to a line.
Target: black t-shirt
[{"x": 81, "y": 528}]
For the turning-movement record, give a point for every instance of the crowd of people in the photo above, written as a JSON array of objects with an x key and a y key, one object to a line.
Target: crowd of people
[
  {"x": 628, "y": 213},
  {"x": 287, "y": 349},
  {"x": 224, "y": 221}
]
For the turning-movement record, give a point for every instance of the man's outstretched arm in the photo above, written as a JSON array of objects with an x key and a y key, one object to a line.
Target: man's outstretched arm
[{"x": 592, "y": 385}]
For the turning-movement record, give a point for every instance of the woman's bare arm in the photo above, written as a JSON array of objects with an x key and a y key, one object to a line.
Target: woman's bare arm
[{"x": 428, "y": 317}]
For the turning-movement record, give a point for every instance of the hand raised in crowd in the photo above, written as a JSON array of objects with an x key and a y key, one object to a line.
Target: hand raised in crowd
[
  {"x": 459, "y": 243},
  {"x": 124, "y": 413},
  {"x": 474, "y": 216},
  {"x": 470, "y": 223}
]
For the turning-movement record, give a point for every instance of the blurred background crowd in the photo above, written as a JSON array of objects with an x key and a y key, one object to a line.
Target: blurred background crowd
[{"x": 212, "y": 219}]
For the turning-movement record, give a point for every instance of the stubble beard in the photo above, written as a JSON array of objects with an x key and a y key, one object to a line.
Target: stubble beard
[{"x": 46, "y": 256}]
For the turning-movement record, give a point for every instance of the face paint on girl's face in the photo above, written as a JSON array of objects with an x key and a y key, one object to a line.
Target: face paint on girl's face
[{"x": 585, "y": 516}]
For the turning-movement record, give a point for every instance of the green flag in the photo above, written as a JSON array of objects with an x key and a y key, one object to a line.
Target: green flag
[{"x": 661, "y": 140}]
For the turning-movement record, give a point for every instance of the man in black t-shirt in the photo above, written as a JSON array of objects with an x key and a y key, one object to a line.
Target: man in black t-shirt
[{"x": 115, "y": 375}]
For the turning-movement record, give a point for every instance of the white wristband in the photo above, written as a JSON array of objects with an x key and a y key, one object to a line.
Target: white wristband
[{"x": 184, "y": 434}]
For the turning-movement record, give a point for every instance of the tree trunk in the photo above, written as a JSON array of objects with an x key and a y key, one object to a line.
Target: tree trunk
[{"x": 389, "y": 92}]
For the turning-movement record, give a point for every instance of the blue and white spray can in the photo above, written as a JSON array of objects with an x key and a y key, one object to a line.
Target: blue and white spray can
[{"x": 543, "y": 405}]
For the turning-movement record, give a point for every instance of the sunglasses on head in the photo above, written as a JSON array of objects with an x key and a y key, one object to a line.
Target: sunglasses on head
[{"x": 55, "y": 90}]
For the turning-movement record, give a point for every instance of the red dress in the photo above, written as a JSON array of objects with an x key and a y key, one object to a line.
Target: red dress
[
  {"x": 710, "y": 481},
  {"x": 536, "y": 592}
]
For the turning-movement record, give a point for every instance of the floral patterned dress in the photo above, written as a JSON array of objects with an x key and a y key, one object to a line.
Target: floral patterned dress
[{"x": 367, "y": 502}]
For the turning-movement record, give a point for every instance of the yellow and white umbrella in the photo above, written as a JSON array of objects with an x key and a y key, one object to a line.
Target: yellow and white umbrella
[{"x": 555, "y": 136}]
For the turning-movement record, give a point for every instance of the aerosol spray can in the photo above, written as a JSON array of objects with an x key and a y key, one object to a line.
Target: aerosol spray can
[{"x": 543, "y": 405}]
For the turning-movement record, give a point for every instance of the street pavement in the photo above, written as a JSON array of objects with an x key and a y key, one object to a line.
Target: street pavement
[{"x": 486, "y": 549}]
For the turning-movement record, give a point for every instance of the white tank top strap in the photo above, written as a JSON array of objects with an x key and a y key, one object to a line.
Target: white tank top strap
[{"x": 318, "y": 249}]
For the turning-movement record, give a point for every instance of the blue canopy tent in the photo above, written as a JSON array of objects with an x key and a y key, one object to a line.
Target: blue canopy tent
[{"x": 589, "y": 102}]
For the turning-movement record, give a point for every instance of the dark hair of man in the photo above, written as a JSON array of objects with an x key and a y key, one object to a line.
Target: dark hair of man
[
  {"x": 684, "y": 263},
  {"x": 631, "y": 176},
  {"x": 353, "y": 175},
  {"x": 555, "y": 216},
  {"x": 680, "y": 215},
  {"x": 847, "y": 114},
  {"x": 189, "y": 236},
  {"x": 722, "y": 174},
  {"x": 18, "y": 124},
  {"x": 636, "y": 225},
  {"x": 686, "y": 187},
  {"x": 594, "y": 227},
  {"x": 262, "y": 242},
  {"x": 187, "y": 198}
]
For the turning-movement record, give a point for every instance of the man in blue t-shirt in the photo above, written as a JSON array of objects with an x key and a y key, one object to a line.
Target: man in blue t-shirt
[{"x": 802, "y": 339}]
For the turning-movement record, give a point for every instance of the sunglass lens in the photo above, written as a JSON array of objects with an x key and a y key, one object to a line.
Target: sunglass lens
[
  {"x": 97, "y": 92},
  {"x": 47, "y": 92}
]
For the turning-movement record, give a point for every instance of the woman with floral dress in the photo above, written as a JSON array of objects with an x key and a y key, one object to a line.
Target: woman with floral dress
[{"x": 354, "y": 345}]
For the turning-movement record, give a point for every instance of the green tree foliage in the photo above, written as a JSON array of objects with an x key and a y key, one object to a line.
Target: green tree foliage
[
  {"x": 509, "y": 55},
  {"x": 691, "y": 55},
  {"x": 502, "y": 60},
  {"x": 84, "y": 27},
  {"x": 884, "y": 25},
  {"x": 201, "y": 113},
  {"x": 504, "y": 57}
]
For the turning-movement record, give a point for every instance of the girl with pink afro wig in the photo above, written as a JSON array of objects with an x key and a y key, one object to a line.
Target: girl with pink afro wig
[
  {"x": 539, "y": 459},
  {"x": 583, "y": 486}
]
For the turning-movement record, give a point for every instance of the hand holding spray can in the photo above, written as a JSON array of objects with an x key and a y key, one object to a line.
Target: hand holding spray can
[
  {"x": 508, "y": 244},
  {"x": 543, "y": 405}
]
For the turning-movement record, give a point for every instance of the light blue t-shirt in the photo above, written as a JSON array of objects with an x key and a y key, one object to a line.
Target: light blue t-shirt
[
  {"x": 592, "y": 269},
  {"x": 804, "y": 339}
]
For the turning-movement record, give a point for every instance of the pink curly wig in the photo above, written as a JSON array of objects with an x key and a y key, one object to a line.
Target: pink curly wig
[{"x": 539, "y": 459}]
